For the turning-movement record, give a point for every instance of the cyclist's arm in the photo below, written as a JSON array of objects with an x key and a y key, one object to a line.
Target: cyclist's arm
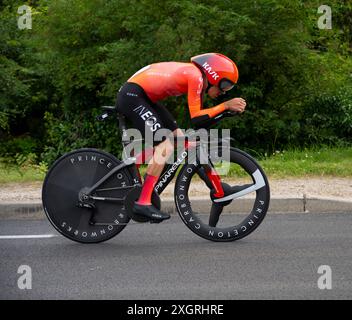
[{"x": 198, "y": 115}]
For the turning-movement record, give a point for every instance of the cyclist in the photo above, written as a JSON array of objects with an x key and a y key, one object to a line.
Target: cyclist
[{"x": 210, "y": 73}]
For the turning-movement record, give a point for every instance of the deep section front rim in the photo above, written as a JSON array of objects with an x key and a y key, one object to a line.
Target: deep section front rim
[{"x": 233, "y": 232}]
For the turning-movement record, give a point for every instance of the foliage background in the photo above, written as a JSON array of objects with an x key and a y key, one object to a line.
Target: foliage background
[{"x": 296, "y": 78}]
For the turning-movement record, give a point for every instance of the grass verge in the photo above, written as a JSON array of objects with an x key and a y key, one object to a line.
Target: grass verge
[
  {"x": 15, "y": 173},
  {"x": 336, "y": 162}
]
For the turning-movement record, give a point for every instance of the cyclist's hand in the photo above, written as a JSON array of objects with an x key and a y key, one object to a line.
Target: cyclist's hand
[{"x": 236, "y": 105}]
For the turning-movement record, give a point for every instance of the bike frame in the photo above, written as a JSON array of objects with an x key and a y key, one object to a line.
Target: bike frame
[
  {"x": 208, "y": 174},
  {"x": 211, "y": 177}
]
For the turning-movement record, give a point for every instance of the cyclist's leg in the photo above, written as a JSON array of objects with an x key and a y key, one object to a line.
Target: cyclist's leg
[
  {"x": 164, "y": 148},
  {"x": 162, "y": 152},
  {"x": 134, "y": 103}
]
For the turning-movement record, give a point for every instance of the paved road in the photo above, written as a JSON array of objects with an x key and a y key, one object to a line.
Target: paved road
[{"x": 280, "y": 260}]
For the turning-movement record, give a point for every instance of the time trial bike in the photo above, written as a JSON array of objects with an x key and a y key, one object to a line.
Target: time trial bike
[{"x": 88, "y": 193}]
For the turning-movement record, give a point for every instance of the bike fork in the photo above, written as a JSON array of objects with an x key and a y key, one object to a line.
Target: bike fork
[{"x": 215, "y": 181}]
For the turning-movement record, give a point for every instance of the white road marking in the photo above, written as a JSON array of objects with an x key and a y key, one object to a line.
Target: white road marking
[{"x": 30, "y": 236}]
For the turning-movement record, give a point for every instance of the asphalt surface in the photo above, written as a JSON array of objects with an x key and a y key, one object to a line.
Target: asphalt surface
[{"x": 279, "y": 260}]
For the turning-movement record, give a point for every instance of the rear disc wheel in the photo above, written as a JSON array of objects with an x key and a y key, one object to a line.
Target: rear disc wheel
[{"x": 70, "y": 174}]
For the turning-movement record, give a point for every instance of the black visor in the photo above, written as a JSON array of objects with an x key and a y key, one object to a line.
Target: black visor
[{"x": 226, "y": 84}]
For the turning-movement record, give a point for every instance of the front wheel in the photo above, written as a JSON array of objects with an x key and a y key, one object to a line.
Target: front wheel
[{"x": 239, "y": 212}]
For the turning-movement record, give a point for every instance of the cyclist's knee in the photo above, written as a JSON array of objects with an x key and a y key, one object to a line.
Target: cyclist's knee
[
  {"x": 169, "y": 146},
  {"x": 164, "y": 149}
]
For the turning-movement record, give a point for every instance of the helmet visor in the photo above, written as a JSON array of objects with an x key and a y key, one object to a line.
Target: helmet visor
[{"x": 226, "y": 85}]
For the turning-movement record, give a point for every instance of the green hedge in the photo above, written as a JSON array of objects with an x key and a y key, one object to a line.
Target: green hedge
[{"x": 53, "y": 78}]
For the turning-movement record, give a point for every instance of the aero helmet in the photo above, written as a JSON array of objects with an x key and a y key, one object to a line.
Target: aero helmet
[{"x": 219, "y": 69}]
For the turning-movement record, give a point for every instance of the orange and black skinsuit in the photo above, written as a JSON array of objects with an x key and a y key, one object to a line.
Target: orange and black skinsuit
[{"x": 138, "y": 97}]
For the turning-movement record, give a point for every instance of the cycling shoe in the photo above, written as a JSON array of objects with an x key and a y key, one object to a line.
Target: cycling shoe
[{"x": 150, "y": 212}]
